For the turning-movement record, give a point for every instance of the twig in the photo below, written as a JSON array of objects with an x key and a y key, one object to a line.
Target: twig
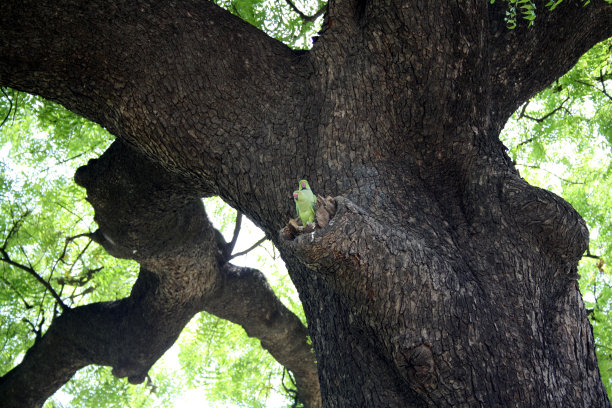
[
  {"x": 230, "y": 246},
  {"x": 10, "y": 285},
  {"x": 6, "y": 258},
  {"x": 252, "y": 247},
  {"x": 524, "y": 142},
  {"x": 79, "y": 256},
  {"x": 79, "y": 281},
  {"x": 590, "y": 255},
  {"x": 10, "y": 107},
  {"x": 304, "y": 16},
  {"x": 543, "y": 118},
  {"x": 603, "y": 84},
  {"x": 552, "y": 174}
]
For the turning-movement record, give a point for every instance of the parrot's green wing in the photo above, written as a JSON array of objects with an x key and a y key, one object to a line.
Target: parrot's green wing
[
  {"x": 305, "y": 206},
  {"x": 305, "y": 202},
  {"x": 305, "y": 187}
]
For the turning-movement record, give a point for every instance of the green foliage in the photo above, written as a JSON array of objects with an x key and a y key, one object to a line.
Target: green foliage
[
  {"x": 526, "y": 10},
  {"x": 43, "y": 215},
  {"x": 40, "y": 208},
  {"x": 561, "y": 140},
  {"x": 276, "y": 18},
  {"x": 226, "y": 366}
]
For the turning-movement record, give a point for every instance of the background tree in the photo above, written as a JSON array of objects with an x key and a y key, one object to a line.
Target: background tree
[{"x": 444, "y": 278}]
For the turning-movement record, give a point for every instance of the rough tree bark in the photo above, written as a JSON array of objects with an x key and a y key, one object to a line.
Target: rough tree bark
[{"x": 444, "y": 279}]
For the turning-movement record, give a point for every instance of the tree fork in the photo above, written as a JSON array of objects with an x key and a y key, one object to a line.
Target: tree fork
[
  {"x": 185, "y": 275},
  {"x": 396, "y": 109}
]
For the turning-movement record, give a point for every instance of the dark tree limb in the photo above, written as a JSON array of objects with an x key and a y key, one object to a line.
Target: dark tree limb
[
  {"x": 244, "y": 297},
  {"x": 180, "y": 277},
  {"x": 107, "y": 66}
]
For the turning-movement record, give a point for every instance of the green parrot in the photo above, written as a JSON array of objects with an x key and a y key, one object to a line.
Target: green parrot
[{"x": 305, "y": 202}]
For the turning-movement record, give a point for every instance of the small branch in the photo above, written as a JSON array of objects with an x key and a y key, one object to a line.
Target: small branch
[
  {"x": 290, "y": 391},
  {"x": 543, "y": 118},
  {"x": 603, "y": 84},
  {"x": 230, "y": 246},
  {"x": 151, "y": 385},
  {"x": 80, "y": 255},
  {"x": 524, "y": 142},
  {"x": 552, "y": 174},
  {"x": 252, "y": 247},
  {"x": 590, "y": 255},
  {"x": 61, "y": 257},
  {"x": 6, "y": 258},
  {"x": 32, "y": 326},
  {"x": 304, "y": 16},
  {"x": 524, "y": 109},
  {"x": 15, "y": 228},
  {"x": 10, "y": 107},
  {"x": 25, "y": 302},
  {"x": 79, "y": 281},
  {"x": 87, "y": 291}
]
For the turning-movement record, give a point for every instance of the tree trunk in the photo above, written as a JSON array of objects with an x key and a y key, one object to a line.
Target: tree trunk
[{"x": 443, "y": 279}]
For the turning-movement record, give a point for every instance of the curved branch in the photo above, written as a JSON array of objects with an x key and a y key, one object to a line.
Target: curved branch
[
  {"x": 246, "y": 298},
  {"x": 121, "y": 64},
  {"x": 249, "y": 249},
  {"x": 10, "y": 109},
  {"x": 160, "y": 224}
]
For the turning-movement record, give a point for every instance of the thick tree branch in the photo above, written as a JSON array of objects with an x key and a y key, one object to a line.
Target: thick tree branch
[
  {"x": 527, "y": 59},
  {"x": 120, "y": 64},
  {"x": 161, "y": 225},
  {"x": 246, "y": 298}
]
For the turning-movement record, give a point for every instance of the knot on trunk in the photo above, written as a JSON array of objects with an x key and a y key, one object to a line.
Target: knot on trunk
[
  {"x": 552, "y": 221},
  {"x": 416, "y": 365}
]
